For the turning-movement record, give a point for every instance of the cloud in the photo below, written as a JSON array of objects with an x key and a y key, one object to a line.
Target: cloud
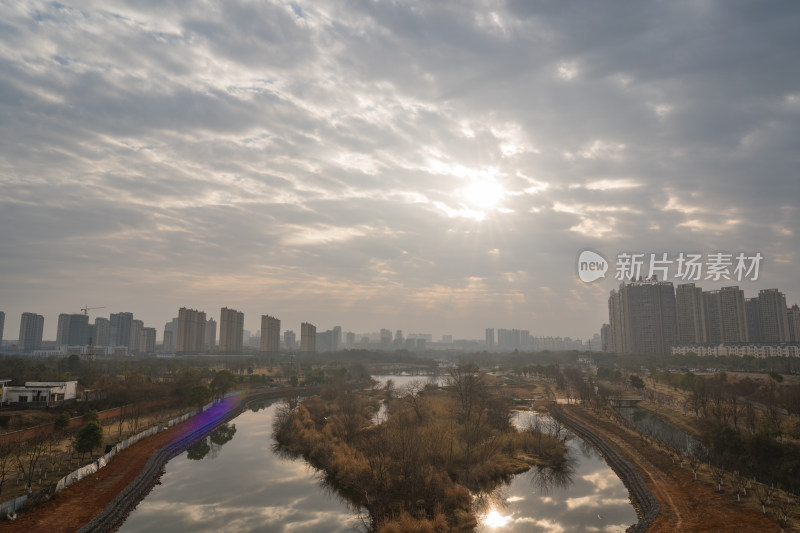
[{"x": 356, "y": 155}]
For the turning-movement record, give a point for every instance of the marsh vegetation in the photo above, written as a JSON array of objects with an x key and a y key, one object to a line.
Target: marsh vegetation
[{"x": 416, "y": 466}]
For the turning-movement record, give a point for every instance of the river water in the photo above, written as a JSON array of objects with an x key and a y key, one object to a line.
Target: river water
[{"x": 234, "y": 481}]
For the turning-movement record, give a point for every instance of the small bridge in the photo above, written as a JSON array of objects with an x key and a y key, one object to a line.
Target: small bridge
[{"x": 624, "y": 401}]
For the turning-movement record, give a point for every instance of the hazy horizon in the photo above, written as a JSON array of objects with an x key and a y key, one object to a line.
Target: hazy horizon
[{"x": 430, "y": 167}]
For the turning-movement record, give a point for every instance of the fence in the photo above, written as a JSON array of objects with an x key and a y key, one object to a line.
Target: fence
[
  {"x": 124, "y": 501},
  {"x": 11, "y": 506}
]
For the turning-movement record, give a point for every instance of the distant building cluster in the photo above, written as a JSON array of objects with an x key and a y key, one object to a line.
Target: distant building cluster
[
  {"x": 652, "y": 317},
  {"x": 508, "y": 340},
  {"x": 193, "y": 331},
  {"x": 120, "y": 333}
]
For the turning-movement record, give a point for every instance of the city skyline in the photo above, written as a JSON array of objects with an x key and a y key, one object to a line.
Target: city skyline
[
  {"x": 428, "y": 166},
  {"x": 695, "y": 295}
]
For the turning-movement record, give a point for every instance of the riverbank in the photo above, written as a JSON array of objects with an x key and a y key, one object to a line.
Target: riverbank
[
  {"x": 685, "y": 504},
  {"x": 120, "y": 485}
]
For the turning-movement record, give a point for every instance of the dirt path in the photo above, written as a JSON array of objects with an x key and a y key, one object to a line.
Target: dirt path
[
  {"x": 76, "y": 505},
  {"x": 686, "y": 505}
]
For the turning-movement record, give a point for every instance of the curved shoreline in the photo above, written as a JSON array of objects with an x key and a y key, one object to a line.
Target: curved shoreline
[
  {"x": 646, "y": 505},
  {"x": 111, "y": 516}
]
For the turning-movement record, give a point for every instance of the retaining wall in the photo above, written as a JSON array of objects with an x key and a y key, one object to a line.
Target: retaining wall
[{"x": 646, "y": 505}]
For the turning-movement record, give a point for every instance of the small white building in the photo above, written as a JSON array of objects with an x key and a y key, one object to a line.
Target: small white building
[{"x": 41, "y": 393}]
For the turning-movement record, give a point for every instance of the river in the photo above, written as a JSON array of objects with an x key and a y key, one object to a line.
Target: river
[{"x": 240, "y": 484}]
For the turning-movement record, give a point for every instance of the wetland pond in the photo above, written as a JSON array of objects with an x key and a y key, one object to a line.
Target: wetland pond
[{"x": 236, "y": 481}]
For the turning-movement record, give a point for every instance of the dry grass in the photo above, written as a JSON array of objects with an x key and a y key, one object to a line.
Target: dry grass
[{"x": 414, "y": 471}]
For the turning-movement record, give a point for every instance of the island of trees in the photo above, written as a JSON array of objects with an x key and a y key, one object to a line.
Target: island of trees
[{"x": 414, "y": 463}]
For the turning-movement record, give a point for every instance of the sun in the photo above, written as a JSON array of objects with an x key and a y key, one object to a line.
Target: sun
[
  {"x": 495, "y": 519},
  {"x": 484, "y": 194}
]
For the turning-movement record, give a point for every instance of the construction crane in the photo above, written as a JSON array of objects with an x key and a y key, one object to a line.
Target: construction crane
[{"x": 86, "y": 309}]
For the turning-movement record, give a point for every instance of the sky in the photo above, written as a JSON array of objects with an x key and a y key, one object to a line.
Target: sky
[{"x": 435, "y": 167}]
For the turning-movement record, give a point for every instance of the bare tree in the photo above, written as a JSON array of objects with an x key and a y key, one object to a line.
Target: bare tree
[
  {"x": 120, "y": 420},
  {"x": 740, "y": 481},
  {"x": 470, "y": 390},
  {"x": 698, "y": 399},
  {"x": 412, "y": 394},
  {"x": 467, "y": 383},
  {"x": 133, "y": 417},
  {"x": 762, "y": 495},
  {"x": 735, "y": 406},
  {"x": 783, "y": 506},
  {"x": 28, "y": 455},
  {"x": 7, "y": 464},
  {"x": 719, "y": 476}
]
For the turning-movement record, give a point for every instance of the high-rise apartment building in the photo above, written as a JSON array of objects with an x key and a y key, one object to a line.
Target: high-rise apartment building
[
  {"x": 713, "y": 317},
  {"x": 211, "y": 335},
  {"x": 308, "y": 337},
  {"x": 31, "y": 327},
  {"x": 617, "y": 332},
  {"x": 524, "y": 339},
  {"x": 2, "y": 327},
  {"x": 386, "y": 337},
  {"x": 147, "y": 341},
  {"x": 170, "y": 343},
  {"x": 191, "y": 331},
  {"x": 772, "y": 316},
  {"x": 512, "y": 339},
  {"x": 231, "y": 330},
  {"x": 91, "y": 334},
  {"x": 398, "y": 338},
  {"x": 652, "y": 316},
  {"x": 136, "y": 336},
  {"x": 690, "y": 314},
  {"x": 642, "y": 318},
  {"x": 793, "y": 318},
  {"x": 73, "y": 330},
  {"x": 726, "y": 318},
  {"x": 270, "y": 334},
  {"x": 489, "y": 338},
  {"x": 121, "y": 325},
  {"x": 732, "y": 313},
  {"x": 753, "y": 321},
  {"x": 324, "y": 341},
  {"x": 102, "y": 331},
  {"x": 337, "y": 337},
  {"x": 62, "y": 333},
  {"x": 78, "y": 330},
  {"x": 289, "y": 339},
  {"x": 605, "y": 338}
]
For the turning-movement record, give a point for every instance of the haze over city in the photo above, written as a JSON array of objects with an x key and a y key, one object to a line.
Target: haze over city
[{"x": 427, "y": 166}]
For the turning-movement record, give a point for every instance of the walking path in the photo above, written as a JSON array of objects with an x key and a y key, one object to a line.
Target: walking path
[{"x": 685, "y": 504}]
